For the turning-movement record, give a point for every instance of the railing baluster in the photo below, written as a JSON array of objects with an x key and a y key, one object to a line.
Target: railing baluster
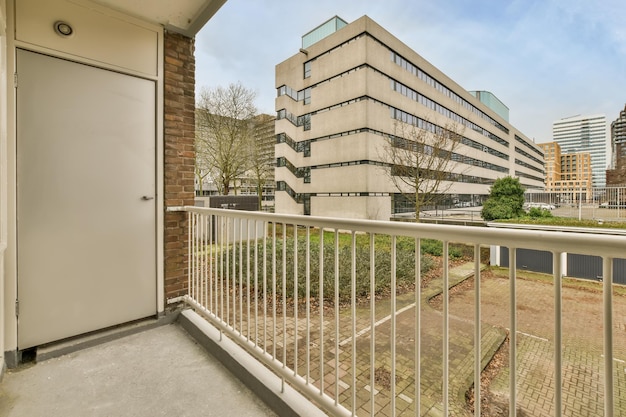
[
  {"x": 558, "y": 332},
  {"x": 353, "y": 314},
  {"x": 240, "y": 263},
  {"x": 190, "y": 254},
  {"x": 198, "y": 266},
  {"x": 222, "y": 274},
  {"x": 210, "y": 274},
  {"x": 256, "y": 282},
  {"x": 446, "y": 329},
  {"x": 372, "y": 323},
  {"x": 418, "y": 326},
  {"x": 265, "y": 288},
  {"x": 393, "y": 325},
  {"x": 274, "y": 296},
  {"x": 295, "y": 299},
  {"x": 512, "y": 333},
  {"x": 233, "y": 246},
  {"x": 477, "y": 332},
  {"x": 227, "y": 250},
  {"x": 308, "y": 304},
  {"x": 284, "y": 301},
  {"x": 321, "y": 308},
  {"x": 336, "y": 316},
  {"x": 249, "y": 223},
  {"x": 205, "y": 262},
  {"x": 607, "y": 291}
]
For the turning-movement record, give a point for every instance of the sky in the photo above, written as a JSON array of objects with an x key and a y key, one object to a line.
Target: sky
[{"x": 544, "y": 59}]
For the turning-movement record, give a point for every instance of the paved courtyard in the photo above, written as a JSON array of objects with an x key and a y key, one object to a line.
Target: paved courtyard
[
  {"x": 582, "y": 326},
  {"x": 337, "y": 363}
]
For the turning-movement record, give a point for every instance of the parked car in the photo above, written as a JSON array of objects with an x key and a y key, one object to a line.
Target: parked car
[
  {"x": 545, "y": 206},
  {"x": 613, "y": 205}
]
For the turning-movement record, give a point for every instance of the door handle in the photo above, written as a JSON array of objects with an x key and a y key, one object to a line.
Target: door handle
[{"x": 147, "y": 198}]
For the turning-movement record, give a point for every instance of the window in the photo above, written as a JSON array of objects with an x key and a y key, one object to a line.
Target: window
[
  {"x": 307, "y": 69},
  {"x": 307, "y": 95},
  {"x": 305, "y": 120}
]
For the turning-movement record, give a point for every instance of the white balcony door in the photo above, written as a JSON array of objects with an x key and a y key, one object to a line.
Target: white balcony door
[{"x": 86, "y": 220}]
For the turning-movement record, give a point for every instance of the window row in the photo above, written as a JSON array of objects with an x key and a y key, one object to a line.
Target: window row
[
  {"x": 406, "y": 171},
  {"x": 529, "y": 146},
  {"x": 399, "y": 60},
  {"x": 433, "y": 105},
  {"x": 525, "y": 175},
  {"x": 412, "y": 120},
  {"x": 302, "y": 95},
  {"x": 527, "y": 155},
  {"x": 417, "y": 147},
  {"x": 304, "y": 120},
  {"x": 529, "y": 166}
]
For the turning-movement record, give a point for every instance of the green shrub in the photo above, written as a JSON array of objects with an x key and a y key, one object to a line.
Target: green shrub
[
  {"x": 536, "y": 213},
  {"x": 405, "y": 267},
  {"x": 505, "y": 201}
]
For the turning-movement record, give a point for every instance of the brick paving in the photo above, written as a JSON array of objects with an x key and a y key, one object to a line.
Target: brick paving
[
  {"x": 582, "y": 350},
  {"x": 324, "y": 358},
  {"x": 351, "y": 386}
]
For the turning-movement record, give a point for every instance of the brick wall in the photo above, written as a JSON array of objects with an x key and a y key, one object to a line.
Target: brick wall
[
  {"x": 179, "y": 158},
  {"x": 617, "y": 176}
]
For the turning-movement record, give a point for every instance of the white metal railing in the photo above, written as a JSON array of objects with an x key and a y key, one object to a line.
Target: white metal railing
[{"x": 318, "y": 301}]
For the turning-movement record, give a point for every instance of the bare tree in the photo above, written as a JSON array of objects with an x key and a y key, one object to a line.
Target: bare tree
[
  {"x": 421, "y": 160},
  {"x": 224, "y": 132},
  {"x": 262, "y": 153},
  {"x": 202, "y": 168}
]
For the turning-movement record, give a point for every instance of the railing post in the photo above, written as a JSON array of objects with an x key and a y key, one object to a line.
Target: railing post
[
  {"x": 477, "y": 333},
  {"x": 418, "y": 336},
  {"x": 607, "y": 290},
  {"x": 372, "y": 248},
  {"x": 512, "y": 333},
  {"x": 393, "y": 325},
  {"x": 446, "y": 331},
  {"x": 558, "y": 332}
]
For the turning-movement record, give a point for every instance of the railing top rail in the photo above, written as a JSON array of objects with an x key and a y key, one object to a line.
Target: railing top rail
[{"x": 547, "y": 240}]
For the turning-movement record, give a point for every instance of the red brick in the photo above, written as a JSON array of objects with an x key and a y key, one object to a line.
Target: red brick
[{"x": 179, "y": 155}]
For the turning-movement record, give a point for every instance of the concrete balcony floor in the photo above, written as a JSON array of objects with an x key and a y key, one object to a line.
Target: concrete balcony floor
[{"x": 161, "y": 371}]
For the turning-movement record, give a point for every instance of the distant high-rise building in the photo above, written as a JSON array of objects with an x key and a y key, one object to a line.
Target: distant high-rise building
[
  {"x": 618, "y": 128},
  {"x": 354, "y": 91},
  {"x": 585, "y": 134},
  {"x": 616, "y": 176},
  {"x": 568, "y": 173}
]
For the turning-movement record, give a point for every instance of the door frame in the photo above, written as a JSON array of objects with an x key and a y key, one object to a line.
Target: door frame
[{"x": 8, "y": 159}]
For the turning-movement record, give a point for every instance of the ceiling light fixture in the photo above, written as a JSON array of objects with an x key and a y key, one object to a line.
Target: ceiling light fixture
[{"x": 63, "y": 28}]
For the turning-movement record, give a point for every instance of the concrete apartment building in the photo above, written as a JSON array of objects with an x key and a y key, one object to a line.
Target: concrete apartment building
[
  {"x": 341, "y": 99},
  {"x": 586, "y": 133},
  {"x": 567, "y": 173}
]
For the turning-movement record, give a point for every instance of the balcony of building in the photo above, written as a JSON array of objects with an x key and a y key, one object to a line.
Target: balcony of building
[{"x": 354, "y": 317}]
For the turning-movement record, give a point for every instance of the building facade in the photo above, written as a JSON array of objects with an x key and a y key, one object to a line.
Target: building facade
[
  {"x": 567, "y": 173},
  {"x": 585, "y": 134},
  {"x": 348, "y": 94},
  {"x": 616, "y": 175}
]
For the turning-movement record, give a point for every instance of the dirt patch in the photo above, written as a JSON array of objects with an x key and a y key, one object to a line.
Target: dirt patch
[{"x": 492, "y": 404}]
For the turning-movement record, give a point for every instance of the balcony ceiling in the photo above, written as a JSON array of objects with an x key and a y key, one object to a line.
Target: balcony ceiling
[{"x": 182, "y": 16}]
